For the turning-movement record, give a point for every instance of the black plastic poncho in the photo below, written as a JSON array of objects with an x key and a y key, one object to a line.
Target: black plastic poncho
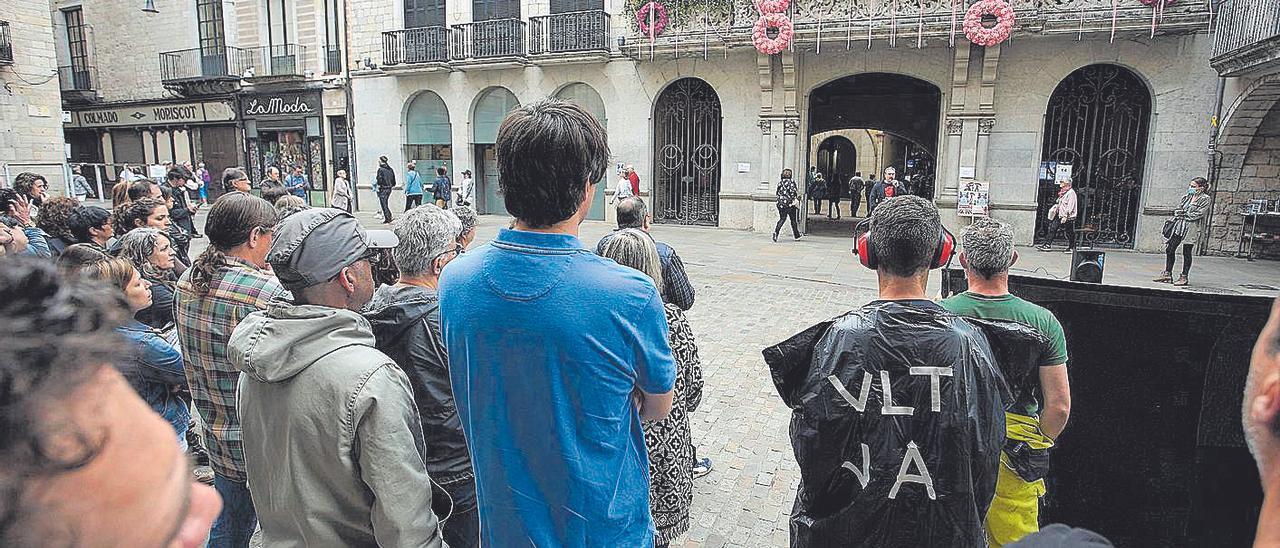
[{"x": 898, "y": 422}]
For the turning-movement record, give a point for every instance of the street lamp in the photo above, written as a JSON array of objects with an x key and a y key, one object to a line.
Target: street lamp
[{"x": 150, "y": 7}]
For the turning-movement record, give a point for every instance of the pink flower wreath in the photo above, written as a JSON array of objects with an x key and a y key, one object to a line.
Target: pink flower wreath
[
  {"x": 981, "y": 35},
  {"x": 775, "y": 6},
  {"x": 660, "y": 19},
  {"x": 760, "y": 36}
]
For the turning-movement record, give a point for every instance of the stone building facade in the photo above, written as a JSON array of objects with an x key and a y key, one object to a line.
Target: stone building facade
[
  {"x": 248, "y": 83},
  {"x": 709, "y": 122},
  {"x": 30, "y": 109}
]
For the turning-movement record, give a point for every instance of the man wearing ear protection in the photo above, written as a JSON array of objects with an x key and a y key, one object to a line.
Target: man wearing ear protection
[
  {"x": 898, "y": 406},
  {"x": 329, "y": 423},
  {"x": 1031, "y": 428}
]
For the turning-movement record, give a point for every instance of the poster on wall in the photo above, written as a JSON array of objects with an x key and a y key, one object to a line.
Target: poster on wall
[
  {"x": 974, "y": 199},
  {"x": 1063, "y": 172}
]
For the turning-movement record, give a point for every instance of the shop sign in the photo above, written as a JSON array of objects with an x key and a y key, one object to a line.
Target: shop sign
[
  {"x": 153, "y": 115},
  {"x": 282, "y": 105}
]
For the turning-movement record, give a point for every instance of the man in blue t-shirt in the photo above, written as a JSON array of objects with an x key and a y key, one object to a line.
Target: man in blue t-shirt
[{"x": 556, "y": 354}]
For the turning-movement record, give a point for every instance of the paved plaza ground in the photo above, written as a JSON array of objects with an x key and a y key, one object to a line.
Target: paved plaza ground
[{"x": 752, "y": 293}]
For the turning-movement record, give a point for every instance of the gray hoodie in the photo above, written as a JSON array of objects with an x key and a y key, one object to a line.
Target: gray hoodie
[{"x": 332, "y": 441}]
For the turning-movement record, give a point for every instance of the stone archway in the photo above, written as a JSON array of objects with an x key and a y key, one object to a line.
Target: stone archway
[{"x": 1248, "y": 165}]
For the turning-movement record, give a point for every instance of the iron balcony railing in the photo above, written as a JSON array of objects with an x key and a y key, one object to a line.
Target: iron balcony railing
[
  {"x": 417, "y": 45},
  {"x": 78, "y": 78},
  {"x": 569, "y": 32},
  {"x": 277, "y": 60},
  {"x": 332, "y": 59},
  {"x": 488, "y": 39},
  {"x": 6, "y": 44},
  {"x": 1246, "y": 25},
  {"x": 204, "y": 64}
]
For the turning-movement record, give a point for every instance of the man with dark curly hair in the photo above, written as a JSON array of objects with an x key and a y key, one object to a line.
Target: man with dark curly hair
[{"x": 81, "y": 455}]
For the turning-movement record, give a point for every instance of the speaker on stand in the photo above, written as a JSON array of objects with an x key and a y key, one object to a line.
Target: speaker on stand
[{"x": 1087, "y": 265}]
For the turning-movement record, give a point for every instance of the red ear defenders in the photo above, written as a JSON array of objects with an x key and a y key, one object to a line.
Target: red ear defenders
[{"x": 941, "y": 255}]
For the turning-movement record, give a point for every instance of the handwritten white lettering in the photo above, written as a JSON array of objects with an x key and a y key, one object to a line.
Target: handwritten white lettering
[
  {"x": 935, "y": 382},
  {"x": 863, "y": 475},
  {"x": 913, "y": 457},
  {"x": 889, "y": 408},
  {"x": 277, "y": 105},
  {"x": 860, "y": 403}
]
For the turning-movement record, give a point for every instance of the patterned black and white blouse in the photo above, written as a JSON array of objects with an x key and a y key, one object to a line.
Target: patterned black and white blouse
[
  {"x": 787, "y": 192},
  {"x": 669, "y": 441}
]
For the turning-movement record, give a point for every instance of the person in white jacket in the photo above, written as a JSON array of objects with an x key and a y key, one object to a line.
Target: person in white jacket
[
  {"x": 622, "y": 188},
  {"x": 466, "y": 189},
  {"x": 1063, "y": 216}
]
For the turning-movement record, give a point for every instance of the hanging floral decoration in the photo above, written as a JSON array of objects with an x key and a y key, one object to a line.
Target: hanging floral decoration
[
  {"x": 658, "y": 16},
  {"x": 1157, "y": 12},
  {"x": 772, "y": 6},
  {"x": 982, "y": 35},
  {"x": 1150, "y": 3},
  {"x": 760, "y": 33}
]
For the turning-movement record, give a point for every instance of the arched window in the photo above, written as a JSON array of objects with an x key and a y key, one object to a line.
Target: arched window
[
  {"x": 428, "y": 135},
  {"x": 491, "y": 108},
  {"x": 586, "y": 97}
]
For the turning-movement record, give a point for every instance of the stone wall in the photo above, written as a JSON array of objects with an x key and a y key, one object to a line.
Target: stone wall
[
  {"x": 31, "y": 107},
  {"x": 1259, "y": 179}
]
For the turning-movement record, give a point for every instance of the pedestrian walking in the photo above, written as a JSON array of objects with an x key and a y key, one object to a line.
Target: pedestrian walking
[
  {"x": 551, "y": 397},
  {"x": 870, "y": 191},
  {"x": 634, "y": 178},
  {"x": 296, "y": 183},
  {"x": 182, "y": 213},
  {"x": 442, "y": 189},
  {"x": 622, "y": 188},
  {"x": 811, "y": 188},
  {"x": 341, "y": 191},
  {"x": 1062, "y": 217},
  {"x": 669, "y": 441},
  {"x": 386, "y": 180},
  {"x": 205, "y": 178},
  {"x": 1183, "y": 230},
  {"x": 412, "y": 187},
  {"x": 80, "y": 188},
  {"x": 856, "y": 184},
  {"x": 835, "y": 193},
  {"x": 788, "y": 201},
  {"x": 467, "y": 189}
]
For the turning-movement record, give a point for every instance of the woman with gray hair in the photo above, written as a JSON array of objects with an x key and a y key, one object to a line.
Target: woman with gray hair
[
  {"x": 669, "y": 442},
  {"x": 151, "y": 252},
  {"x": 406, "y": 326},
  {"x": 468, "y": 218}
]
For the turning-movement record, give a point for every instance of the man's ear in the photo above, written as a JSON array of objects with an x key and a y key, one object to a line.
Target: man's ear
[
  {"x": 1014, "y": 260},
  {"x": 964, "y": 261}
]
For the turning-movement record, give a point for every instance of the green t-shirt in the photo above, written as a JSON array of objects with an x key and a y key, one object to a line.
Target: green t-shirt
[{"x": 1012, "y": 308}]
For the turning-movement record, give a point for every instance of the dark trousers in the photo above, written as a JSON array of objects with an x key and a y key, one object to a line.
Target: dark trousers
[
  {"x": 784, "y": 213},
  {"x": 411, "y": 201},
  {"x": 817, "y": 205},
  {"x": 833, "y": 206},
  {"x": 455, "y": 505},
  {"x": 854, "y": 201},
  {"x": 237, "y": 521},
  {"x": 1170, "y": 252},
  {"x": 383, "y": 196},
  {"x": 1067, "y": 226}
]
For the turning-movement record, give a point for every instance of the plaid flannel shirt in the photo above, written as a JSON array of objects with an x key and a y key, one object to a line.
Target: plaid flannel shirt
[{"x": 205, "y": 323}]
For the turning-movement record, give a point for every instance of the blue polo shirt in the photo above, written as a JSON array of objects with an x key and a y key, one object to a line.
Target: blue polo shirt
[{"x": 547, "y": 342}]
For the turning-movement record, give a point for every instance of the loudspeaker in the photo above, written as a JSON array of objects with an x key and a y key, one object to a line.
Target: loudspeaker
[{"x": 1086, "y": 265}]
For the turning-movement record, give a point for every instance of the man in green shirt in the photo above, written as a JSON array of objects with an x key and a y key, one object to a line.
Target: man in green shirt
[{"x": 1031, "y": 427}]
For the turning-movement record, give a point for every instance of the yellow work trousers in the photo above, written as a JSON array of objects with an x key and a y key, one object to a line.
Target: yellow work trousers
[{"x": 1015, "y": 510}]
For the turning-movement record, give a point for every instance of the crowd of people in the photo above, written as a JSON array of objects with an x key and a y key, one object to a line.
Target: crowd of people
[{"x": 354, "y": 387}]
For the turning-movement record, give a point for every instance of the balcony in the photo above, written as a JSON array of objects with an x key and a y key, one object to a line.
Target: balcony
[
  {"x": 570, "y": 35},
  {"x": 79, "y": 84},
  {"x": 6, "y": 44},
  {"x": 1247, "y": 38},
  {"x": 417, "y": 46},
  {"x": 494, "y": 43},
  {"x": 203, "y": 71},
  {"x": 332, "y": 59},
  {"x": 283, "y": 61}
]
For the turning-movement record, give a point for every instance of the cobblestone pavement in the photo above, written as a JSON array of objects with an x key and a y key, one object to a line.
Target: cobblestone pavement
[{"x": 752, "y": 293}]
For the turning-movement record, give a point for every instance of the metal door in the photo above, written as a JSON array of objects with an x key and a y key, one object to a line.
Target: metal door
[
  {"x": 484, "y": 10},
  {"x": 570, "y": 6},
  {"x": 1097, "y": 122},
  {"x": 491, "y": 201},
  {"x": 686, "y": 154},
  {"x": 219, "y": 149}
]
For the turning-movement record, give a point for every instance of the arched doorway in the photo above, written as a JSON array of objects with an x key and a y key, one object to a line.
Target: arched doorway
[
  {"x": 887, "y": 120},
  {"x": 428, "y": 135},
  {"x": 686, "y": 154},
  {"x": 586, "y": 97},
  {"x": 492, "y": 106},
  {"x": 1096, "y": 124},
  {"x": 837, "y": 158}
]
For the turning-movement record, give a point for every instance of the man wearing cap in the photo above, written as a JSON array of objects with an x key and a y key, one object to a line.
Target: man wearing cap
[{"x": 332, "y": 440}]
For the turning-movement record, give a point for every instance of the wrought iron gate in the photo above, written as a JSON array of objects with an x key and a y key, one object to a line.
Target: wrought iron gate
[
  {"x": 686, "y": 154},
  {"x": 1097, "y": 122}
]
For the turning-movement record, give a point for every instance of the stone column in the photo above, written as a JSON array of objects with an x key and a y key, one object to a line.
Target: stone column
[
  {"x": 790, "y": 149},
  {"x": 984, "y": 136},
  {"x": 766, "y": 129},
  {"x": 950, "y": 163}
]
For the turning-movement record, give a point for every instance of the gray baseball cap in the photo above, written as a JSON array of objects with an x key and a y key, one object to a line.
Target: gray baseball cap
[{"x": 313, "y": 245}]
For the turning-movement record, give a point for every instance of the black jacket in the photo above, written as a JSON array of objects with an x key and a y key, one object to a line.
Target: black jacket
[
  {"x": 406, "y": 324},
  {"x": 160, "y": 313},
  {"x": 386, "y": 178},
  {"x": 180, "y": 215},
  {"x": 953, "y": 420}
]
